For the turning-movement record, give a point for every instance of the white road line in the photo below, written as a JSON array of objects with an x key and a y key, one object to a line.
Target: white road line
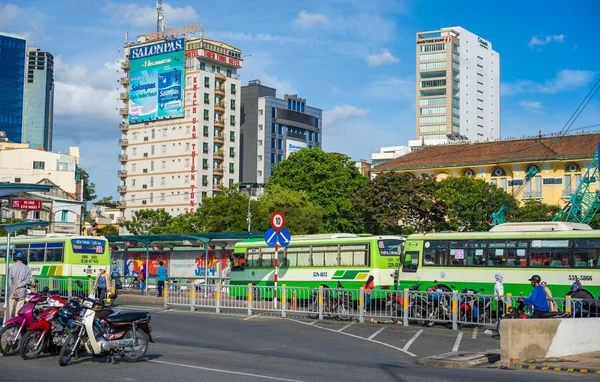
[
  {"x": 314, "y": 322},
  {"x": 457, "y": 343},
  {"x": 249, "y": 317},
  {"x": 225, "y": 371},
  {"x": 376, "y": 333},
  {"x": 359, "y": 337},
  {"x": 345, "y": 327},
  {"x": 410, "y": 342}
]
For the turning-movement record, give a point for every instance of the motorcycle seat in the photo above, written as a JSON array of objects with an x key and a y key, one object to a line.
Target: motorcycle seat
[
  {"x": 551, "y": 314},
  {"x": 127, "y": 317},
  {"x": 101, "y": 313}
]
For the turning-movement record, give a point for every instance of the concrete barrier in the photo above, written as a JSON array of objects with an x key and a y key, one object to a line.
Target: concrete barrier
[{"x": 527, "y": 339}]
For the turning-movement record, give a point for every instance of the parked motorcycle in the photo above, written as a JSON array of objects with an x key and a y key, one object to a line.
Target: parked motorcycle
[
  {"x": 126, "y": 334},
  {"x": 14, "y": 329},
  {"x": 340, "y": 306},
  {"x": 473, "y": 307},
  {"x": 440, "y": 300},
  {"x": 394, "y": 305}
]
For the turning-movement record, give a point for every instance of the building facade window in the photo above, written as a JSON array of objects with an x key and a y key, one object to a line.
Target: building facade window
[
  {"x": 432, "y": 56},
  {"x": 433, "y": 65},
  {"x": 432, "y": 101},
  {"x": 437, "y": 119},
  {"x": 433, "y": 47},
  {"x": 433, "y": 110},
  {"x": 433, "y": 83},
  {"x": 39, "y": 165}
]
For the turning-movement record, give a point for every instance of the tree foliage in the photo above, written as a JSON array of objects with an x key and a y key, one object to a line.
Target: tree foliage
[
  {"x": 107, "y": 230},
  {"x": 534, "y": 211},
  {"x": 469, "y": 202},
  {"x": 396, "y": 203},
  {"x": 105, "y": 199},
  {"x": 329, "y": 179},
  {"x": 88, "y": 192},
  {"x": 11, "y": 221},
  {"x": 301, "y": 216},
  {"x": 148, "y": 222}
]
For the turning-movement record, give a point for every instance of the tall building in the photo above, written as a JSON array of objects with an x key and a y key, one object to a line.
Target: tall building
[
  {"x": 458, "y": 87},
  {"x": 273, "y": 128},
  {"x": 181, "y": 123},
  {"x": 12, "y": 76},
  {"x": 38, "y": 101}
]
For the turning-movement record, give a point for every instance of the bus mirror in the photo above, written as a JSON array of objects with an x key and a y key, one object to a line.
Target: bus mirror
[{"x": 402, "y": 257}]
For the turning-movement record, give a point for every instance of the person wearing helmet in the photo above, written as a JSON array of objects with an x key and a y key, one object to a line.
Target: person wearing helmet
[
  {"x": 538, "y": 297},
  {"x": 19, "y": 276}
]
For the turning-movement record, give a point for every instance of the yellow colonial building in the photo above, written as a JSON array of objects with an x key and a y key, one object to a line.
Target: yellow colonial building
[{"x": 561, "y": 164}]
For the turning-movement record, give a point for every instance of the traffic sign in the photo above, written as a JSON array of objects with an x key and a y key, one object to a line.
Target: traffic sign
[
  {"x": 271, "y": 237},
  {"x": 284, "y": 237},
  {"x": 277, "y": 221}
]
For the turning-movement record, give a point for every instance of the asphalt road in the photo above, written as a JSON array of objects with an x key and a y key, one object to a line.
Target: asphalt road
[{"x": 195, "y": 346}]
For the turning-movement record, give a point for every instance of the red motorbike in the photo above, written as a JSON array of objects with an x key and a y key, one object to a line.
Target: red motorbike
[{"x": 39, "y": 333}]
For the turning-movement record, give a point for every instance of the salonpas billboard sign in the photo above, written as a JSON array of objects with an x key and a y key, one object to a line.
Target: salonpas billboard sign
[
  {"x": 293, "y": 146},
  {"x": 156, "y": 81}
]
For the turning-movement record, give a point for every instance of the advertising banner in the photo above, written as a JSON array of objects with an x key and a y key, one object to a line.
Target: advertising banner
[
  {"x": 23, "y": 204},
  {"x": 156, "y": 81},
  {"x": 193, "y": 264},
  {"x": 293, "y": 146},
  {"x": 134, "y": 261}
]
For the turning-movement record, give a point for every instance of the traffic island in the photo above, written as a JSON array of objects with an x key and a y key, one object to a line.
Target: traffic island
[
  {"x": 459, "y": 360},
  {"x": 583, "y": 364}
]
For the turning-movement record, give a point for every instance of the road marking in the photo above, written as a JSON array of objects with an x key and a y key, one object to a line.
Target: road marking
[
  {"x": 140, "y": 307},
  {"x": 410, "y": 342},
  {"x": 376, "y": 333},
  {"x": 457, "y": 343},
  {"x": 249, "y": 317},
  {"x": 475, "y": 331},
  {"x": 225, "y": 371},
  {"x": 345, "y": 327},
  {"x": 314, "y": 322},
  {"x": 355, "y": 336}
]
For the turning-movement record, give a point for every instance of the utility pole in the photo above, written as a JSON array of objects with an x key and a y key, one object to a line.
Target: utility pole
[{"x": 160, "y": 16}]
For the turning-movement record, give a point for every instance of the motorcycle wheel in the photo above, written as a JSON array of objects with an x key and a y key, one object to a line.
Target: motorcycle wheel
[
  {"x": 392, "y": 311},
  {"x": 417, "y": 315},
  {"x": 32, "y": 344},
  {"x": 345, "y": 312},
  {"x": 9, "y": 345},
  {"x": 313, "y": 310},
  {"x": 68, "y": 350},
  {"x": 134, "y": 353}
]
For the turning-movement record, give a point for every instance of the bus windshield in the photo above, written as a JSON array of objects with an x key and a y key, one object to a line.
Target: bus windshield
[{"x": 390, "y": 247}]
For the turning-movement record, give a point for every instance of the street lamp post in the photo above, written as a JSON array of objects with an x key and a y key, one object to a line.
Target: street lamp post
[{"x": 250, "y": 188}]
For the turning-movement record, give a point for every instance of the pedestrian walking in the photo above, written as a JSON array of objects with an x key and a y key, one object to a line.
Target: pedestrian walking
[
  {"x": 142, "y": 276},
  {"x": 499, "y": 293},
  {"x": 19, "y": 276},
  {"x": 102, "y": 284},
  {"x": 161, "y": 273},
  {"x": 115, "y": 275},
  {"x": 368, "y": 288}
]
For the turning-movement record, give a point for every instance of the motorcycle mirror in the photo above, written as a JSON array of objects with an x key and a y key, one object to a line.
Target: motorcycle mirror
[{"x": 435, "y": 281}]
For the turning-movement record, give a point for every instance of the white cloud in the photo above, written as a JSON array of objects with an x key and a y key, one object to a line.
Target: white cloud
[
  {"x": 8, "y": 13},
  {"x": 308, "y": 20},
  {"x": 565, "y": 80},
  {"x": 341, "y": 113},
  {"x": 259, "y": 67},
  {"x": 27, "y": 22},
  {"x": 145, "y": 17},
  {"x": 535, "y": 41},
  {"x": 392, "y": 88},
  {"x": 383, "y": 58},
  {"x": 531, "y": 105}
]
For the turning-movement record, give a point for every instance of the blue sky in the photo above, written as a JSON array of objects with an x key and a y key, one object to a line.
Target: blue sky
[{"x": 354, "y": 59}]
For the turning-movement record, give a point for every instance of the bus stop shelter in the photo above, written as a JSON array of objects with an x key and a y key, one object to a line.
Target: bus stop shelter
[{"x": 182, "y": 249}]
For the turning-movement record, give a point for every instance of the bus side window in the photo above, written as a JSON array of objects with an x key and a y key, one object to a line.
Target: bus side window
[{"x": 411, "y": 262}]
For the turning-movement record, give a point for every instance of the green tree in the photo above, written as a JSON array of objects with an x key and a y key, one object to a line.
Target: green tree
[
  {"x": 302, "y": 217},
  {"x": 107, "y": 230},
  {"x": 534, "y": 211},
  {"x": 88, "y": 192},
  {"x": 396, "y": 203},
  {"x": 329, "y": 179},
  {"x": 470, "y": 202},
  {"x": 106, "y": 199},
  {"x": 148, "y": 222},
  {"x": 11, "y": 221}
]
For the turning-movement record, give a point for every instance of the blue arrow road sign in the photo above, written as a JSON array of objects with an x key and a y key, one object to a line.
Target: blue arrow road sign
[
  {"x": 271, "y": 237},
  {"x": 284, "y": 237}
]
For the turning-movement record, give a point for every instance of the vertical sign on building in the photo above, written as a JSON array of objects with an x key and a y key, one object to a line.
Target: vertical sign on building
[{"x": 194, "y": 140}]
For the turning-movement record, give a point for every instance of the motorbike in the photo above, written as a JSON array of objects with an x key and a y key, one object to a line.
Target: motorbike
[
  {"x": 14, "y": 329},
  {"x": 395, "y": 302},
  {"x": 126, "y": 334},
  {"x": 523, "y": 311},
  {"x": 440, "y": 305},
  {"x": 340, "y": 306},
  {"x": 473, "y": 307}
]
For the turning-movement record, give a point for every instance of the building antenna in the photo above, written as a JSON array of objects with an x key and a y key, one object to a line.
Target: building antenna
[{"x": 160, "y": 16}]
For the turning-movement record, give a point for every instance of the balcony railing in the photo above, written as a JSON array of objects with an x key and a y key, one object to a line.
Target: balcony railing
[
  {"x": 123, "y": 158},
  {"x": 125, "y": 65},
  {"x": 219, "y": 139},
  {"x": 532, "y": 195},
  {"x": 121, "y": 204},
  {"x": 217, "y": 187},
  {"x": 124, "y": 81},
  {"x": 122, "y": 173},
  {"x": 218, "y": 170},
  {"x": 233, "y": 90},
  {"x": 220, "y": 89},
  {"x": 124, "y": 126},
  {"x": 232, "y": 154},
  {"x": 232, "y": 139},
  {"x": 123, "y": 111},
  {"x": 232, "y": 122},
  {"x": 220, "y": 76},
  {"x": 122, "y": 188},
  {"x": 205, "y": 183},
  {"x": 124, "y": 95},
  {"x": 123, "y": 142},
  {"x": 218, "y": 154},
  {"x": 220, "y": 106},
  {"x": 120, "y": 220},
  {"x": 219, "y": 122}
]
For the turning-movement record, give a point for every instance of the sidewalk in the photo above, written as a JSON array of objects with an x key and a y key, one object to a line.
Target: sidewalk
[{"x": 584, "y": 363}]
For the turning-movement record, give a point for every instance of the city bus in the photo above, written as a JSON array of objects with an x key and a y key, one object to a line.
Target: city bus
[
  {"x": 60, "y": 257},
  {"x": 560, "y": 253},
  {"x": 314, "y": 260}
]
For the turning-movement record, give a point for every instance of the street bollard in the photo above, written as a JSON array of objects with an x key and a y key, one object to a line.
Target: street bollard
[
  {"x": 165, "y": 289},
  {"x": 320, "y": 303},
  {"x": 567, "y": 304},
  {"x": 217, "y": 298},
  {"x": 454, "y": 310},
  {"x": 405, "y": 304},
  {"x": 70, "y": 288},
  {"x": 249, "y": 299},
  {"x": 283, "y": 300},
  {"x": 508, "y": 302},
  {"x": 192, "y": 297},
  {"x": 361, "y": 305}
]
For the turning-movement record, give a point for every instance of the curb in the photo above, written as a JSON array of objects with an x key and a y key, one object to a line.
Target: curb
[{"x": 552, "y": 368}]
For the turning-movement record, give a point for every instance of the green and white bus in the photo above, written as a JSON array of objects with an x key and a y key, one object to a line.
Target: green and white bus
[
  {"x": 558, "y": 252},
  {"x": 60, "y": 257},
  {"x": 313, "y": 260}
]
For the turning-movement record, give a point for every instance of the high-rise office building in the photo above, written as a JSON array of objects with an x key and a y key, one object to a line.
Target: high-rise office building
[
  {"x": 272, "y": 129},
  {"x": 12, "y": 76},
  {"x": 458, "y": 87},
  {"x": 181, "y": 123},
  {"x": 38, "y": 101}
]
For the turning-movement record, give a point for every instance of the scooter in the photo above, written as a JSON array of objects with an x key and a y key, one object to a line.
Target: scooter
[
  {"x": 14, "y": 329},
  {"x": 395, "y": 302},
  {"x": 473, "y": 307},
  {"x": 524, "y": 312},
  {"x": 126, "y": 334}
]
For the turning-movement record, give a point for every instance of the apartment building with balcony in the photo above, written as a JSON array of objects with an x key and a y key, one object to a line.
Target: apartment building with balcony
[
  {"x": 175, "y": 161},
  {"x": 458, "y": 88}
]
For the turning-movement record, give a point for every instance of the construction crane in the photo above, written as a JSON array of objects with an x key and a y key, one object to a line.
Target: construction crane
[
  {"x": 584, "y": 203},
  {"x": 499, "y": 216}
]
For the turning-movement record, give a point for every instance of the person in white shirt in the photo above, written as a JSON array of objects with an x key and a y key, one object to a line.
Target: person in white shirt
[{"x": 499, "y": 293}]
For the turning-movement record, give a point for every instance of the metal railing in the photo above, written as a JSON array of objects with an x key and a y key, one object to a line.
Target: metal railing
[{"x": 407, "y": 306}]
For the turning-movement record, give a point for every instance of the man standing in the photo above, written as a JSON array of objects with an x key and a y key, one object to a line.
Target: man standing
[
  {"x": 161, "y": 272},
  {"x": 19, "y": 276}
]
